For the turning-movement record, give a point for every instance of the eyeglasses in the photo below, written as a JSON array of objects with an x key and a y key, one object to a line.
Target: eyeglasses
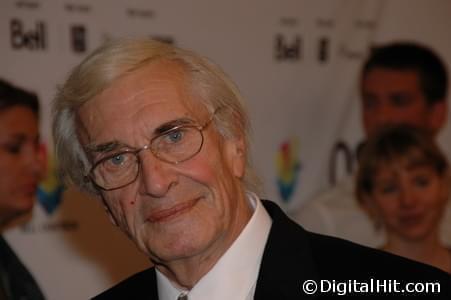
[{"x": 173, "y": 146}]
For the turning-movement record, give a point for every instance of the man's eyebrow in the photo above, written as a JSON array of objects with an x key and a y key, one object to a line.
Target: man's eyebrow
[
  {"x": 21, "y": 137},
  {"x": 419, "y": 163},
  {"x": 105, "y": 147},
  {"x": 17, "y": 137},
  {"x": 171, "y": 124},
  {"x": 114, "y": 145}
]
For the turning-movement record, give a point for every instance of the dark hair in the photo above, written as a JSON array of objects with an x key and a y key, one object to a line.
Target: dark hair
[
  {"x": 11, "y": 95},
  {"x": 394, "y": 144},
  {"x": 405, "y": 56}
]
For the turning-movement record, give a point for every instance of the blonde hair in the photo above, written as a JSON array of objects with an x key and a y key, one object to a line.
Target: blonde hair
[
  {"x": 118, "y": 58},
  {"x": 394, "y": 144}
]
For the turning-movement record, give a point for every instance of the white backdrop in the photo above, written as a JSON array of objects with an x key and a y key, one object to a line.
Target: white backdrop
[{"x": 296, "y": 62}]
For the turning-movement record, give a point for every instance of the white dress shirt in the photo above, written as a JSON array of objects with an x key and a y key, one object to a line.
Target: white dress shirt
[{"x": 235, "y": 274}]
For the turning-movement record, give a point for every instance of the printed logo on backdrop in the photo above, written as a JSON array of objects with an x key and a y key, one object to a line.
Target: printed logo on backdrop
[
  {"x": 78, "y": 38},
  {"x": 78, "y": 32},
  {"x": 290, "y": 44},
  {"x": 50, "y": 190},
  {"x": 343, "y": 161},
  {"x": 162, "y": 38},
  {"x": 287, "y": 48},
  {"x": 343, "y": 156},
  {"x": 323, "y": 49},
  {"x": 77, "y": 8},
  {"x": 362, "y": 28},
  {"x": 139, "y": 13},
  {"x": 28, "y": 36},
  {"x": 322, "y": 45},
  {"x": 322, "y": 40},
  {"x": 31, "y": 5},
  {"x": 288, "y": 168}
]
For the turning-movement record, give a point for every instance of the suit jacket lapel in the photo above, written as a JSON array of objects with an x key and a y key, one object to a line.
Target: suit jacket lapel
[
  {"x": 16, "y": 280},
  {"x": 287, "y": 261}
]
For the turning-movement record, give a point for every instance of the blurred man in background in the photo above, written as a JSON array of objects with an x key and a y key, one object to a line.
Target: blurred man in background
[{"x": 21, "y": 168}]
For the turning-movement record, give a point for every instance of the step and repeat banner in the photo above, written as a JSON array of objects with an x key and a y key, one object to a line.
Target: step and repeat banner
[{"x": 296, "y": 62}]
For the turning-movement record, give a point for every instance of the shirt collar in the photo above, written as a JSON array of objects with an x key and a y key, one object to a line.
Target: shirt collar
[{"x": 235, "y": 274}]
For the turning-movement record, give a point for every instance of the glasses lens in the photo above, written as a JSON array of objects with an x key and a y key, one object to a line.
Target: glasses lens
[
  {"x": 174, "y": 146},
  {"x": 178, "y": 144},
  {"x": 116, "y": 171}
]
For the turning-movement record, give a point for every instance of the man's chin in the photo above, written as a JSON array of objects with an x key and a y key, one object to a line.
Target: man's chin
[
  {"x": 180, "y": 247},
  {"x": 24, "y": 204}
]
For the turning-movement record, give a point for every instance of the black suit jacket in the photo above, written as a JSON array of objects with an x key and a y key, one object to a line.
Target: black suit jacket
[
  {"x": 293, "y": 255},
  {"x": 16, "y": 283}
]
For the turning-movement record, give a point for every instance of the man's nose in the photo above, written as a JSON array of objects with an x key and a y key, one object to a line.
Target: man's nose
[
  {"x": 386, "y": 116},
  {"x": 407, "y": 197},
  {"x": 34, "y": 159},
  {"x": 157, "y": 176}
]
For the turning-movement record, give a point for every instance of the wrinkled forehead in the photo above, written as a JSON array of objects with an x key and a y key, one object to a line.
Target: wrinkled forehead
[
  {"x": 157, "y": 80},
  {"x": 147, "y": 97}
]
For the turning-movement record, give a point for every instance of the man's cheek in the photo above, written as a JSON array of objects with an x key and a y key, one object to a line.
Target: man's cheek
[{"x": 202, "y": 171}]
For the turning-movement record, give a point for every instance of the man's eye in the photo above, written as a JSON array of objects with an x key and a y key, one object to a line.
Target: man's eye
[
  {"x": 421, "y": 181},
  {"x": 387, "y": 189},
  {"x": 13, "y": 148},
  {"x": 174, "y": 136},
  {"x": 401, "y": 100},
  {"x": 370, "y": 102},
  {"x": 117, "y": 160}
]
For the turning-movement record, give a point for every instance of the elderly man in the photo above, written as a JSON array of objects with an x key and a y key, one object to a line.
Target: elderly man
[
  {"x": 159, "y": 134},
  {"x": 401, "y": 83}
]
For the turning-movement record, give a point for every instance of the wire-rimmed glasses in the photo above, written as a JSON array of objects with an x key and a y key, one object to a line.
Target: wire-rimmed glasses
[{"x": 175, "y": 145}]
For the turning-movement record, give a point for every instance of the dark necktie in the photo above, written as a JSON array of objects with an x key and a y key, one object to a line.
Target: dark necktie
[{"x": 182, "y": 296}]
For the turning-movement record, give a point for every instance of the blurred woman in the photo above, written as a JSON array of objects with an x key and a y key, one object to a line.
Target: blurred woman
[
  {"x": 403, "y": 183},
  {"x": 21, "y": 167}
]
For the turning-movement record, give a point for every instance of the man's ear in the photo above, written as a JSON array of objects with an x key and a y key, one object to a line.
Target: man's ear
[
  {"x": 236, "y": 149},
  {"x": 438, "y": 114}
]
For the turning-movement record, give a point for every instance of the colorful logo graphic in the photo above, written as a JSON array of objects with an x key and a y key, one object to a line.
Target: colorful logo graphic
[
  {"x": 50, "y": 190},
  {"x": 288, "y": 167}
]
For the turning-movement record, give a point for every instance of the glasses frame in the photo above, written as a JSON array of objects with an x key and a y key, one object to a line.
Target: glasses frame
[{"x": 200, "y": 128}]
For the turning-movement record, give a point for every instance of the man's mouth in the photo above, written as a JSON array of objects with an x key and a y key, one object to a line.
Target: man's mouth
[
  {"x": 165, "y": 215},
  {"x": 411, "y": 219}
]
